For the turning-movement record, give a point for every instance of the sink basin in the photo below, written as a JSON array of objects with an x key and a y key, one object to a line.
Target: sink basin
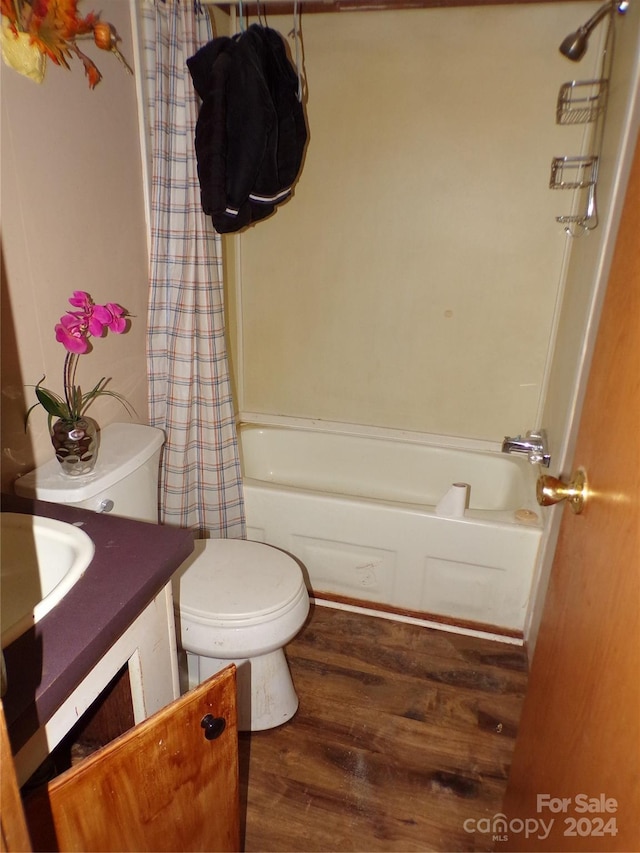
[{"x": 40, "y": 561}]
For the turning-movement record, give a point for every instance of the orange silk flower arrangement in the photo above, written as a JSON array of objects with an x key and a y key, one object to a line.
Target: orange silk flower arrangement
[{"x": 36, "y": 30}]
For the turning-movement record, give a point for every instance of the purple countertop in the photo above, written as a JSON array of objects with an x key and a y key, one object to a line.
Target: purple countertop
[{"x": 133, "y": 561}]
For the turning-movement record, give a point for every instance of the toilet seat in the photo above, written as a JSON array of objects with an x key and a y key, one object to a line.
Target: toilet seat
[{"x": 234, "y": 583}]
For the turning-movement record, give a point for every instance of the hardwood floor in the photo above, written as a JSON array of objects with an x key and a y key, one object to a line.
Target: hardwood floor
[{"x": 402, "y": 735}]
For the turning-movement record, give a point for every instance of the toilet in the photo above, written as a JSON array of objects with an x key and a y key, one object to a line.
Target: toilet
[{"x": 234, "y": 600}]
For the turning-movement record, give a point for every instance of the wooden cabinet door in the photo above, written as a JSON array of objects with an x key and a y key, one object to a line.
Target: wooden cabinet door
[
  {"x": 13, "y": 828},
  {"x": 169, "y": 783}
]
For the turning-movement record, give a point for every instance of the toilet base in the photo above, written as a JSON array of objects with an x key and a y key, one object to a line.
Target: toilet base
[{"x": 266, "y": 695}]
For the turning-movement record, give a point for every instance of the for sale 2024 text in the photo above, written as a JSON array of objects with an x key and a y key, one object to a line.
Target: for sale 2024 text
[
  {"x": 581, "y": 815},
  {"x": 585, "y": 815}
]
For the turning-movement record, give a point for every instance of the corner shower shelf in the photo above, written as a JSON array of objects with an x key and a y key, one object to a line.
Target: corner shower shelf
[
  {"x": 584, "y": 102},
  {"x": 573, "y": 173},
  {"x": 581, "y": 101}
]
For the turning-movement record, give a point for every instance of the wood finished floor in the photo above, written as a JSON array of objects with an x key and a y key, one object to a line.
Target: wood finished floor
[{"x": 402, "y": 734}]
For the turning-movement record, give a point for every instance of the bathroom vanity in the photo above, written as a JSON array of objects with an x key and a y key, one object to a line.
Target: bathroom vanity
[{"x": 119, "y": 614}]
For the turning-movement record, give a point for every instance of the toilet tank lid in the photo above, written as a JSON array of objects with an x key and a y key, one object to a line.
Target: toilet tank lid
[{"x": 123, "y": 449}]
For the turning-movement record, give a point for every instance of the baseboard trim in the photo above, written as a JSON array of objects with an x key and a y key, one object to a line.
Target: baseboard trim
[{"x": 426, "y": 620}]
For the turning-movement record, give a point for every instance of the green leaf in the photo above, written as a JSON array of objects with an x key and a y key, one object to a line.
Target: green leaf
[
  {"x": 52, "y": 403},
  {"x": 26, "y": 417},
  {"x": 116, "y": 396},
  {"x": 57, "y": 406},
  {"x": 98, "y": 391}
]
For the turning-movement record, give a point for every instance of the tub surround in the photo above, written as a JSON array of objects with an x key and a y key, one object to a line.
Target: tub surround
[
  {"x": 133, "y": 562},
  {"x": 359, "y": 513}
]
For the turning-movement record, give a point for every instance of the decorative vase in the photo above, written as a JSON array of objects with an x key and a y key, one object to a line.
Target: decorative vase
[{"x": 76, "y": 445}]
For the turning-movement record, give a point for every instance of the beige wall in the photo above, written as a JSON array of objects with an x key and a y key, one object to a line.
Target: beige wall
[
  {"x": 72, "y": 219},
  {"x": 411, "y": 282}
]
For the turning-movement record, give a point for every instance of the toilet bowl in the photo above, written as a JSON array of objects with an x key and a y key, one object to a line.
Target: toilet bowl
[
  {"x": 234, "y": 600},
  {"x": 242, "y": 601}
]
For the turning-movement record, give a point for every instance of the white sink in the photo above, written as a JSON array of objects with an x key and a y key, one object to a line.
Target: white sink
[{"x": 40, "y": 560}]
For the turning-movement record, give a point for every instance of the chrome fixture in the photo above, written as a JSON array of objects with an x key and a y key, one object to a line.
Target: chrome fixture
[
  {"x": 534, "y": 444},
  {"x": 575, "y": 44}
]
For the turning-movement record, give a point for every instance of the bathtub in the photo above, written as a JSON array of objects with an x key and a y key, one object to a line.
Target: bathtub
[{"x": 359, "y": 514}]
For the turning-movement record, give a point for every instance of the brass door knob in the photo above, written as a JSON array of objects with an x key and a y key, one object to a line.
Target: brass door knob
[{"x": 550, "y": 490}]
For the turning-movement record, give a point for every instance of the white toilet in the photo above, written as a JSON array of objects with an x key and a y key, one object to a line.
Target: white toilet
[{"x": 234, "y": 600}]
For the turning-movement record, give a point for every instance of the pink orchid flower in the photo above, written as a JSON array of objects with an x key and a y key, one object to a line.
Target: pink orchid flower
[
  {"x": 74, "y": 331},
  {"x": 112, "y": 316},
  {"x": 94, "y": 316},
  {"x": 71, "y": 332},
  {"x": 76, "y": 327},
  {"x": 81, "y": 299}
]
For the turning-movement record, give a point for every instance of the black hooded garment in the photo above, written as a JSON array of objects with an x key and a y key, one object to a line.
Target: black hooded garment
[{"x": 251, "y": 131}]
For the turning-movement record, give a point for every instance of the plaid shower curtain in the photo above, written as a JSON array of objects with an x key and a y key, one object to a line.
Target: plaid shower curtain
[{"x": 189, "y": 386}]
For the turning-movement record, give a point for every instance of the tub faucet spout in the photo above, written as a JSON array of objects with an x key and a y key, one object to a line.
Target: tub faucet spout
[{"x": 534, "y": 445}]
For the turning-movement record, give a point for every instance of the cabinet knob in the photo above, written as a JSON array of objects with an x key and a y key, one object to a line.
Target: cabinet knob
[{"x": 213, "y": 726}]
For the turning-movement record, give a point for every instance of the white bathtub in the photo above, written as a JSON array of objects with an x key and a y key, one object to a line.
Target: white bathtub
[{"x": 358, "y": 512}]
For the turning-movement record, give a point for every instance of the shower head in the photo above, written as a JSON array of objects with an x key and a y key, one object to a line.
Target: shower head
[{"x": 575, "y": 44}]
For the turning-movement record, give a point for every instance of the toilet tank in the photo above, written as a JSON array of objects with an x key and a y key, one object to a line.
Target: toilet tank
[{"x": 124, "y": 481}]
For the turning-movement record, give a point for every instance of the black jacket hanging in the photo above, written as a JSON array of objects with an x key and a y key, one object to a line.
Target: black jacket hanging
[{"x": 251, "y": 131}]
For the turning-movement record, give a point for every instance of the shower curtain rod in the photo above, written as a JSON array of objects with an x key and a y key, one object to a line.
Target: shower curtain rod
[{"x": 285, "y": 7}]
